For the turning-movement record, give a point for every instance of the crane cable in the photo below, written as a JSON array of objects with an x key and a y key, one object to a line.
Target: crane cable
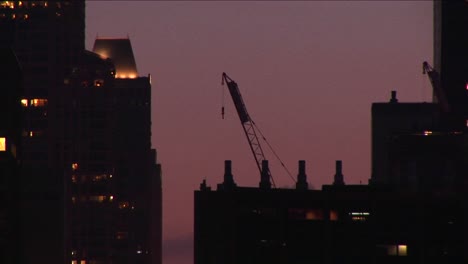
[
  {"x": 274, "y": 152},
  {"x": 222, "y": 98}
]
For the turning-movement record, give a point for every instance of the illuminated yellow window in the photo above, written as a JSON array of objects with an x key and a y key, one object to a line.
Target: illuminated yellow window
[
  {"x": 38, "y": 102},
  {"x": 74, "y": 262},
  {"x": 111, "y": 198},
  {"x": 402, "y": 250},
  {"x": 2, "y": 144},
  {"x": 24, "y": 102},
  {"x": 74, "y": 166}
]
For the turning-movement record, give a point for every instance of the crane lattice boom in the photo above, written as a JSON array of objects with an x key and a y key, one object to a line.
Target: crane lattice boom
[{"x": 247, "y": 123}]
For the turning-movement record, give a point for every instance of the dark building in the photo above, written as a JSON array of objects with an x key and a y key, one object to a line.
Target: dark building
[
  {"x": 115, "y": 189},
  {"x": 10, "y": 155},
  {"x": 450, "y": 42},
  {"x": 338, "y": 224},
  {"x": 396, "y": 127},
  {"x": 47, "y": 37},
  {"x": 390, "y": 120},
  {"x": 89, "y": 181}
]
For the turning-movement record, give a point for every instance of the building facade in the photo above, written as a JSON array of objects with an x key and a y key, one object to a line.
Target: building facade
[
  {"x": 115, "y": 182},
  {"x": 10, "y": 155},
  {"x": 47, "y": 37},
  {"x": 89, "y": 183},
  {"x": 337, "y": 224}
]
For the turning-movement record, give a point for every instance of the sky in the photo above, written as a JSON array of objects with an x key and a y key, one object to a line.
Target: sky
[{"x": 308, "y": 72}]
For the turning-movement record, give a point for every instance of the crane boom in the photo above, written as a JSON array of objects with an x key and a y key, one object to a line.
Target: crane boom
[
  {"x": 247, "y": 123},
  {"x": 435, "y": 82}
]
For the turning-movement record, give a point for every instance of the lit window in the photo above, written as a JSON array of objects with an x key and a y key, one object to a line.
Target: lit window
[
  {"x": 98, "y": 198},
  {"x": 111, "y": 198},
  {"x": 427, "y": 133},
  {"x": 395, "y": 250},
  {"x": 314, "y": 214},
  {"x": 24, "y": 102},
  {"x": 402, "y": 250},
  {"x": 74, "y": 166},
  {"x": 98, "y": 82},
  {"x": 359, "y": 216},
  {"x": 2, "y": 144},
  {"x": 83, "y": 262},
  {"x": 333, "y": 215},
  {"x": 74, "y": 262},
  {"x": 123, "y": 205},
  {"x": 38, "y": 102}
]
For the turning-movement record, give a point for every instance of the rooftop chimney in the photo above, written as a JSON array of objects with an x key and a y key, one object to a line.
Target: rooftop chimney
[
  {"x": 301, "y": 183},
  {"x": 338, "y": 180},
  {"x": 265, "y": 176},
  {"x": 393, "y": 100},
  {"x": 204, "y": 187},
  {"x": 228, "y": 182}
]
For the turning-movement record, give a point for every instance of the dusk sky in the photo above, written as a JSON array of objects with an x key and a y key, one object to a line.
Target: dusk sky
[{"x": 308, "y": 72}]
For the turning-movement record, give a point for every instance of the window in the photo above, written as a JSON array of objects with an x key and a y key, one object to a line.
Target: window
[
  {"x": 359, "y": 216},
  {"x": 123, "y": 205},
  {"x": 394, "y": 250},
  {"x": 38, "y": 102},
  {"x": 98, "y": 82},
  {"x": 24, "y": 102},
  {"x": 333, "y": 215},
  {"x": 2, "y": 144}
]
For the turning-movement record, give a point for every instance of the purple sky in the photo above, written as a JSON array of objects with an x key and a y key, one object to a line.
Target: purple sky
[{"x": 308, "y": 72}]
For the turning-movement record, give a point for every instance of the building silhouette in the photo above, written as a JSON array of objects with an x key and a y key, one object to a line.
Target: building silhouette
[
  {"x": 10, "y": 154},
  {"x": 115, "y": 192},
  {"x": 422, "y": 145},
  {"x": 337, "y": 224},
  {"x": 414, "y": 209},
  {"x": 89, "y": 187},
  {"x": 47, "y": 37}
]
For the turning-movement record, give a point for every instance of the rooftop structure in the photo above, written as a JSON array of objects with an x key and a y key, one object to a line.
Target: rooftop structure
[{"x": 121, "y": 53}]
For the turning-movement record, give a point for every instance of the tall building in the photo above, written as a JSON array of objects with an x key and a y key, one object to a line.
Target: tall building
[
  {"x": 450, "y": 42},
  {"x": 47, "y": 37},
  {"x": 90, "y": 186},
  {"x": 10, "y": 155},
  {"x": 115, "y": 182}
]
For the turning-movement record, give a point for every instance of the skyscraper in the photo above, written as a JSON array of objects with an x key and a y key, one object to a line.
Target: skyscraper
[
  {"x": 450, "y": 42},
  {"x": 115, "y": 185},
  {"x": 90, "y": 187},
  {"x": 10, "y": 155},
  {"x": 47, "y": 37}
]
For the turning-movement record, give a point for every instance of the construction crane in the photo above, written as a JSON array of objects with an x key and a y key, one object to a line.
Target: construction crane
[
  {"x": 435, "y": 82},
  {"x": 250, "y": 129}
]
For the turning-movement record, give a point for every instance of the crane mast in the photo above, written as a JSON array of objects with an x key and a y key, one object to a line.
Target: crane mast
[{"x": 247, "y": 123}]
